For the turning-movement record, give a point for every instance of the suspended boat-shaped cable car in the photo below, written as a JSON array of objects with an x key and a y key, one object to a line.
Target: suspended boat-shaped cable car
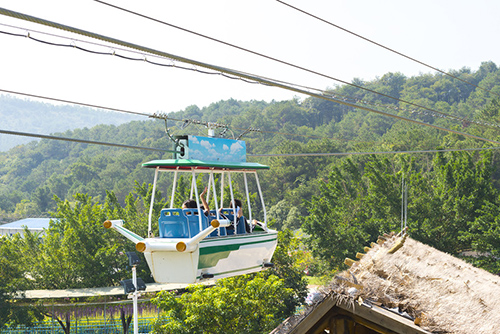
[{"x": 197, "y": 243}]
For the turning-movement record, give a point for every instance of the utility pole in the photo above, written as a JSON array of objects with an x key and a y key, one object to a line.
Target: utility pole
[{"x": 133, "y": 286}]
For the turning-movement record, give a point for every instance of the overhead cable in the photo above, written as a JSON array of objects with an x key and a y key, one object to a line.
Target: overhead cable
[
  {"x": 73, "y": 102},
  {"x": 83, "y": 141},
  {"x": 285, "y": 155},
  {"x": 207, "y": 124},
  {"x": 150, "y": 115},
  {"x": 272, "y": 58},
  {"x": 434, "y": 113},
  {"x": 386, "y": 48},
  {"x": 30, "y": 18}
]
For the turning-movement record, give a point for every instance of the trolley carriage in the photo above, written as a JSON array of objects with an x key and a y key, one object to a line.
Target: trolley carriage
[{"x": 194, "y": 245}]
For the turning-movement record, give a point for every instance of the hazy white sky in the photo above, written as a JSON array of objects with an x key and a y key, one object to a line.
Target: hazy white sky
[{"x": 443, "y": 33}]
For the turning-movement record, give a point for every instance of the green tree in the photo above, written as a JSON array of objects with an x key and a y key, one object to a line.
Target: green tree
[
  {"x": 26, "y": 208},
  {"x": 233, "y": 305},
  {"x": 77, "y": 251},
  {"x": 253, "y": 303},
  {"x": 484, "y": 237},
  {"x": 12, "y": 281},
  {"x": 285, "y": 216},
  {"x": 450, "y": 198},
  {"x": 42, "y": 198},
  {"x": 351, "y": 210},
  {"x": 450, "y": 205},
  {"x": 287, "y": 266}
]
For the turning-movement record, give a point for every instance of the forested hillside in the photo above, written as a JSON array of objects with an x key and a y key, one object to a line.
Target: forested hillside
[
  {"x": 45, "y": 118},
  {"x": 341, "y": 201}
]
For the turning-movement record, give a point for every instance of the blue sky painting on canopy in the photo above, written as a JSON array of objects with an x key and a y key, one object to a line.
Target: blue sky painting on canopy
[{"x": 216, "y": 149}]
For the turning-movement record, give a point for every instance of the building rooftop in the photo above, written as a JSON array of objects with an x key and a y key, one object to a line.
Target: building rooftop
[
  {"x": 30, "y": 223},
  {"x": 421, "y": 285}
]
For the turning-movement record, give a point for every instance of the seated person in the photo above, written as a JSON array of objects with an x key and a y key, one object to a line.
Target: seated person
[
  {"x": 204, "y": 207},
  {"x": 189, "y": 204},
  {"x": 204, "y": 200},
  {"x": 258, "y": 226},
  {"x": 238, "y": 203},
  {"x": 192, "y": 204},
  {"x": 239, "y": 213}
]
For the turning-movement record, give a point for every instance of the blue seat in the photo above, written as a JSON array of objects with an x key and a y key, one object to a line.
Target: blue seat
[
  {"x": 194, "y": 221},
  {"x": 240, "y": 227},
  {"x": 240, "y": 222},
  {"x": 229, "y": 213},
  {"x": 221, "y": 231},
  {"x": 173, "y": 224}
]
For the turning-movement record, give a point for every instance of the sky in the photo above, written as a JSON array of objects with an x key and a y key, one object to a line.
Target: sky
[{"x": 446, "y": 34}]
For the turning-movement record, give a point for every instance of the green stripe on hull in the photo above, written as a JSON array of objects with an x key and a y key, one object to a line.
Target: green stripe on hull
[
  {"x": 211, "y": 255},
  {"x": 239, "y": 237}
]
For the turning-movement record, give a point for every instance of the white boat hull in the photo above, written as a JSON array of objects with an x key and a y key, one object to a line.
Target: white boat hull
[{"x": 214, "y": 258}]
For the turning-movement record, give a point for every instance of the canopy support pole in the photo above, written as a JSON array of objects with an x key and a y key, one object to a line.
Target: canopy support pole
[
  {"x": 222, "y": 189},
  {"x": 261, "y": 197},
  {"x": 193, "y": 186},
  {"x": 150, "y": 230},
  {"x": 174, "y": 186},
  {"x": 248, "y": 197},
  {"x": 235, "y": 213}
]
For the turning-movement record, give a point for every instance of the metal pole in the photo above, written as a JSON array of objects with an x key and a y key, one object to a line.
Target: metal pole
[
  {"x": 209, "y": 186},
  {"x": 402, "y": 201},
  {"x": 406, "y": 203},
  {"x": 195, "y": 187},
  {"x": 174, "y": 185},
  {"x": 235, "y": 218},
  {"x": 134, "y": 280},
  {"x": 261, "y": 197},
  {"x": 150, "y": 231},
  {"x": 248, "y": 197},
  {"x": 222, "y": 189}
]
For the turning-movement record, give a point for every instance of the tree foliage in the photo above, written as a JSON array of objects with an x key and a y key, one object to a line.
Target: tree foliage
[
  {"x": 12, "y": 310},
  {"x": 254, "y": 303},
  {"x": 234, "y": 305},
  {"x": 450, "y": 206},
  {"x": 37, "y": 171},
  {"x": 342, "y": 203},
  {"x": 351, "y": 208},
  {"x": 76, "y": 250}
]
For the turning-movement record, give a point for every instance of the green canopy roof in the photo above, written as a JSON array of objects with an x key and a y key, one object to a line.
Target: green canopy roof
[{"x": 189, "y": 163}]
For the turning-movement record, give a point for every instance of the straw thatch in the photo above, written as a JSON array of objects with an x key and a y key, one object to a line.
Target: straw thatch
[{"x": 443, "y": 294}]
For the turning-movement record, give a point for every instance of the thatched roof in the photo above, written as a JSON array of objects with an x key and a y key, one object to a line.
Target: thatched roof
[{"x": 443, "y": 294}]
